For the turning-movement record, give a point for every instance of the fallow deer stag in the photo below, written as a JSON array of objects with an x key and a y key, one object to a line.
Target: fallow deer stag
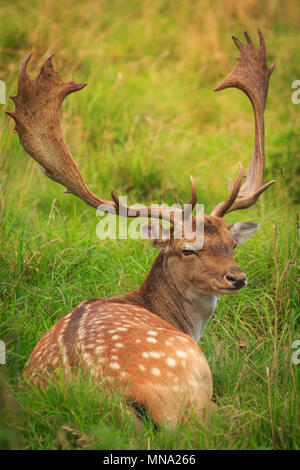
[{"x": 146, "y": 340}]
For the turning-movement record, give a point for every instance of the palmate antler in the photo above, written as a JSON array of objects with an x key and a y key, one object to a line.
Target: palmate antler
[
  {"x": 37, "y": 117},
  {"x": 251, "y": 75}
]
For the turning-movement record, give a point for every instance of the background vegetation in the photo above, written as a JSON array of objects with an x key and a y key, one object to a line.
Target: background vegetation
[{"x": 146, "y": 121}]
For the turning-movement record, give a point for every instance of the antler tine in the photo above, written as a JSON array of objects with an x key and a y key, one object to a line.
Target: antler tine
[
  {"x": 248, "y": 39},
  {"x": 224, "y": 207},
  {"x": 188, "y": 210},
  {"x": 37, "y": 117},
  {"x": 22, "y": 72},
  {"x": 194, "y": 197},
  {"x": 251, "y": 75}
]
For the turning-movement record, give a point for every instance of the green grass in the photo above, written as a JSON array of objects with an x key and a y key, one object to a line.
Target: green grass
[{"x": 146, "y": 121}]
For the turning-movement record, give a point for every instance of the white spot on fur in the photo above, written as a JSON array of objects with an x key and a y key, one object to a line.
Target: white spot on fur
[
  {"x": 151, "y": 340},
  {"x": 114, "y": 365},
  {"x": 85, "y": 356},
  {"x": 155, "y": 354},
  {"x": 192, "y": 382},
  {"x": 180, "y": 353},
  {"x": 152, "y": 333},
  {"x": 183, "y": 339},
  {"x": 155, "y": 371},
  {"x": 90, "y": 362},
  {"x": 142, "y": 368},
  {"x": 171, "y": 362}
]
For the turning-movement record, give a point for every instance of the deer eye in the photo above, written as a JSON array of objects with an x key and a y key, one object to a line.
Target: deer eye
[{"x": 187, "y": 252}]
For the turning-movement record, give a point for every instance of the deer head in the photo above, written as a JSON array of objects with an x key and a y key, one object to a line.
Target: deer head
[{"x": 209, "y": 270}]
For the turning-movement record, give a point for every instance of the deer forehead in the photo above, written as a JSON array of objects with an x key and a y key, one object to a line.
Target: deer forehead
[{"x": 206, "y": 233}]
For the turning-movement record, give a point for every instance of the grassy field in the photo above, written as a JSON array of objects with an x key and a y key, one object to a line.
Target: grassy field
[{"x": 146, "y": 121}]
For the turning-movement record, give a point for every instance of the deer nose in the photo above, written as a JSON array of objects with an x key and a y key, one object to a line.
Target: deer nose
[{"x": 238, "y": 279}]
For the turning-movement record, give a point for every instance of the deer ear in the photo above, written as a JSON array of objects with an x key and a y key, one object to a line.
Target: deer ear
[
  {"x": 159, "y": 236},
  {"x": 241, "y": 231}
]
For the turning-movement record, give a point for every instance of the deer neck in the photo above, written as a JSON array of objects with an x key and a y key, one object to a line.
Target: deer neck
[{"x": 160, "y": 294}]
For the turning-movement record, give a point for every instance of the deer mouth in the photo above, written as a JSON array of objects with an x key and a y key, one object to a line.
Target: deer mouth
[{"x": 229, "y": 289}]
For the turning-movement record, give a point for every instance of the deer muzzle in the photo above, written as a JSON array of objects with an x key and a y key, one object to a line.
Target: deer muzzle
[{"x": 235, "y": 277}]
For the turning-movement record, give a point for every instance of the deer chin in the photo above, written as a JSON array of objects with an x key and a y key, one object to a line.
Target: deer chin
[
  {"x": 232, "y": 290},
  {"x": 218, "y": 289}
]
